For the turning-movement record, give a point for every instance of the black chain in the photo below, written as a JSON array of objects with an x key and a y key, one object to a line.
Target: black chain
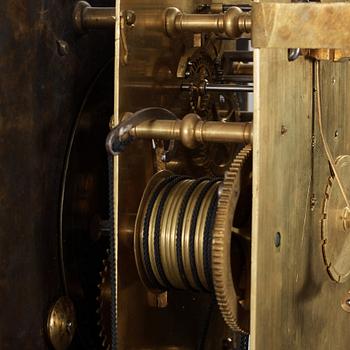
[{"x": 112, "y": 255}]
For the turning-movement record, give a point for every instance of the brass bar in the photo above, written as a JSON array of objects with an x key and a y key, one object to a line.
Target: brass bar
[
  {"x": 98, "y": 17},
  {"x": 220, "y": 87},
  {"x": 224, "y": 132},
  {"x": 198, "y": 23},
  {"x": 228, "y": 88},
  {"x": 193, "y": 131},
  {"x": 231, "y": 24},
  {"x": 304, "y": 25},
  {"x": 157, "y": 129},
  {"x": 207, "y": 87},
  {"x": 86, "y": 17}
]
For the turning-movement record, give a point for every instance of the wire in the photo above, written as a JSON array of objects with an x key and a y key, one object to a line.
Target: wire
[
  {"x": 325, "y": 144},
  {"x": 66, "y": 167}
]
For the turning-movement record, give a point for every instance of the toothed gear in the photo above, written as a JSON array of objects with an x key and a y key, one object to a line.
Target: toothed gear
[
  {"x": 200, "y": 68},
  {"x": 335, "y": 224},
  {"x": 230, "y": 306},
  {"x": 212, "y": 158},
  {"x": 104, "y": 307}
]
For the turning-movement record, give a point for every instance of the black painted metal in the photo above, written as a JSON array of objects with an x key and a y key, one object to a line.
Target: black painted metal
[{"x": 46, "y": 69}]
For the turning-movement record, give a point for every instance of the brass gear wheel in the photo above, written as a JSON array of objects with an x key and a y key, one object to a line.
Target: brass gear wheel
[
  {"x": 227, "y": 298},
  {"x": 104, "y": 306},
  {"x": 214, "y": 159},
  {"x": 335, "y": 225},
  {"x": 189, "y": 235},
  {"x": 197, "y": 66}
]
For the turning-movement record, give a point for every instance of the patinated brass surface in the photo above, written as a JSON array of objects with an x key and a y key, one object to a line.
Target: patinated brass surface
[
  {"x": 86, "y": 17},
  {"x": 230, "y": 24},
  {"x": 292, "y": 295},
  {"x": 230, "y": 303},
  {"x": 152, "y": 63},
  {"x": 335, "y": 55},
  {"x": 304, "y": 25},
  {"x": 61, "y": 323},
  {"x": 191, "y": 130},
  {"x": 290, "y": 286}
]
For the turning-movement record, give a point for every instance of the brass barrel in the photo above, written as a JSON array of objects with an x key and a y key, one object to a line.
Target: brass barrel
[{"x": 173, "y": 232}]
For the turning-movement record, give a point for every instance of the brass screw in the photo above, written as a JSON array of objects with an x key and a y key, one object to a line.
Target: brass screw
[
  {"x": 283, "y": 130},
  {"x": 130, "y": 17},
  {"x": 62, "y": 47}
]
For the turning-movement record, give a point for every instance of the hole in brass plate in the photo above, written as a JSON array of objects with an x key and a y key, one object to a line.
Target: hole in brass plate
[{"x": 277, "y": 239}]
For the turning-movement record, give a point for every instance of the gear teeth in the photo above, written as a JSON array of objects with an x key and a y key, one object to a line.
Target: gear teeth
[
  {"x": 224, "y": 289},
  {"x": 103, "y": 309},
  {"x": 324, "y": 221}
]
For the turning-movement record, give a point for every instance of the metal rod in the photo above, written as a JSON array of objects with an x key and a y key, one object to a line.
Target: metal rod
[
  {"x": 205, "y": 88},
  {"x": 220, "y": 87},
  {"x": 149, "y": 85},
  {"x": 86, "y": 17},
  {"x": 228, "y": 87},
  {"x": 231, "y": 24},
  {"x": 193, "y": 131},
  {"x": 98, "y": 17}
]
